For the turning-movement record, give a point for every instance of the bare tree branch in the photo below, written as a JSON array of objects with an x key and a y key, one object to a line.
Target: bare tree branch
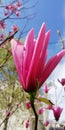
[{"x": 8, "y": 38}]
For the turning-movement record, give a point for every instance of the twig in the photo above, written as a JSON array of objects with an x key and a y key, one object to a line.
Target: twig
[
  {"x": 24, "y": 17},
  {"x": 4, "y": 62},
  {"x": 61, "y": 39},
  {"x": 8, "y": 38},
  {"x": 10, "y": 115},
  {"x": 23, "y": 29}
]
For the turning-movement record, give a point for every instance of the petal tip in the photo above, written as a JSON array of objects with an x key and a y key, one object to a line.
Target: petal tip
[
  {"x": 43, "y": 26},
  {"x": 31, "y": 31}
]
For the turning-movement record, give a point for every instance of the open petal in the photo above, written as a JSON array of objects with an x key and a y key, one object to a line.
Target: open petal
[
  {"x": 31, "y": 77},
  {"x": 49, "y": 67},
  {"x": 17, "y": 49},
  {"x": 43, "y": 56},
  {"x": 29, "y": 48}
]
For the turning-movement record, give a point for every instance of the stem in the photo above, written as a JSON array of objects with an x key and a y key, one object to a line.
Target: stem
[
  {"x": 5, "y": 124},
  {"x": 33, "y": 107}
]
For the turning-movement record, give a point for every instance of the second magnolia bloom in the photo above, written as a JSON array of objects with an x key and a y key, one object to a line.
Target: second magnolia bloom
[{"x": 30, "y": 59}]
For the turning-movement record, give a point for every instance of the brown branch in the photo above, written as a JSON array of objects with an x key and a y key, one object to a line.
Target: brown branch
[
  {"x": 3, "y": 6},
  {"x": 25, "y": 17},
  {"x": 32, "y": 5},
  {"x": 8, "y": 38},
  {"x": 23, "y": 29},
  {"x": 5, "y": 61},
  {"x": 7, "y": 56},
  {"x": 21, "y": 8},
  {"x": 61, "y": 39},
  {"x": 9, "y": 115}
]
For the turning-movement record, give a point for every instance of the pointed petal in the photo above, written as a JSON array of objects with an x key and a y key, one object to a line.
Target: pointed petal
[
  {"x": 44, "y": 53},
  {"x": 17, "y": 49},
  {"x": 29, "y": 38},
  {"x": 36, "y": 54},
  {"x": 29, "y": 47},
  {"x": 51, "y": 65}
]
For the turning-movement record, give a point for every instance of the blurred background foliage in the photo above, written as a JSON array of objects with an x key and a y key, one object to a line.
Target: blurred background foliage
[{"x": 12, "y": 96}]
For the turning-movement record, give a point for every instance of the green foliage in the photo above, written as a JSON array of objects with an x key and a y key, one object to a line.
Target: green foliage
[
  {"x": 11, "y": 92},
  {"x": 45, "y": 100}
]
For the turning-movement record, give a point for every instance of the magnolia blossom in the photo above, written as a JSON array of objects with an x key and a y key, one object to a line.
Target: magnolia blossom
[
  {"x": 13, "y": 8},
  {"x": 40, "y": 110},
  {"x": 62, "y": 81},
  {"x": 27, "y": 123},
  {"x": 2, "y": 24},
  {"x": 28, "y": 105},
  {"x": 17, "y": 13},
  {"x": 8, "y": 113},
  {"x": 30, "y": 59},
  {"x": 6, "y": 13},
  {"x": 18, "y": 4},
  {"x": 2, "y": 37},
  {"x": 46, "y": 89},
  {"x": 50, "y": 107},
  {"x": 15, "y": 28},
  {"x": 17, "y": 104},
  {"x": 57, "y": 112},
  {"x": 46, "y": 123}
]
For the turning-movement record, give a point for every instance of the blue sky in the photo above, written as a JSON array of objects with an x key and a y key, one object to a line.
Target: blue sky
[{"x": 52, "y": 13}]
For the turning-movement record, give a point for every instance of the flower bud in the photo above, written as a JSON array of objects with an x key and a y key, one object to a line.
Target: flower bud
[
  {"x": 46, "y": 123},
  {"x": 28, "y": 105},
  {"x": 27, "y": 123},
  {"x": 40, "y": 111}
]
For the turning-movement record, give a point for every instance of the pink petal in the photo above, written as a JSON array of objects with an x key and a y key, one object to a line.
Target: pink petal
[
  {"x": 31, "y": 78},
  {"x": 17, "y": 49},
  {"x": 51, "y": 65},
  {"x": 43, "y": 56},
  {"x": 29, "y": 47}
]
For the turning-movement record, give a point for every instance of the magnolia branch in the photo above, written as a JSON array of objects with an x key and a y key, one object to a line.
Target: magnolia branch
[
  {"x": 21, "y": 8},
  {"x": 24, "y": 17},
  {"x": 8, "y": 38},
  {"x": 9, "y": 115},
  {"x": 5, "y": 61},
  {"x": 7, "y": 56}
]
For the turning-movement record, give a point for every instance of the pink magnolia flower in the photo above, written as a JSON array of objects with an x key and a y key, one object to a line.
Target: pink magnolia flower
[
  {"x": 40, "y": 110},
  {"x": 50, "y": 107},
  {"x": 2, "y": 24},
  {"x": 57, "y": 112},
  {"x": 28, "y": 105},
  {"x": 30, "y": 59},
  {"x": 46, "y": 89},
  {"x": 46, "y": 123},
  {"x": 12, "y": 7},
  {"x": 2, "y": 37},
  {"x": 7, "y": 7},
  {"x": 27, "y": 123},
  {"x": 17, "y": 13},
  {"x": 15, "y": 28},
  {"x": 17, "y": 104},
  {"x": 18, "y": 3},
  {"x": 8, "y": 113},
  {"x": 62, "y": 81},
  {"x": 6, "y": 13}
]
